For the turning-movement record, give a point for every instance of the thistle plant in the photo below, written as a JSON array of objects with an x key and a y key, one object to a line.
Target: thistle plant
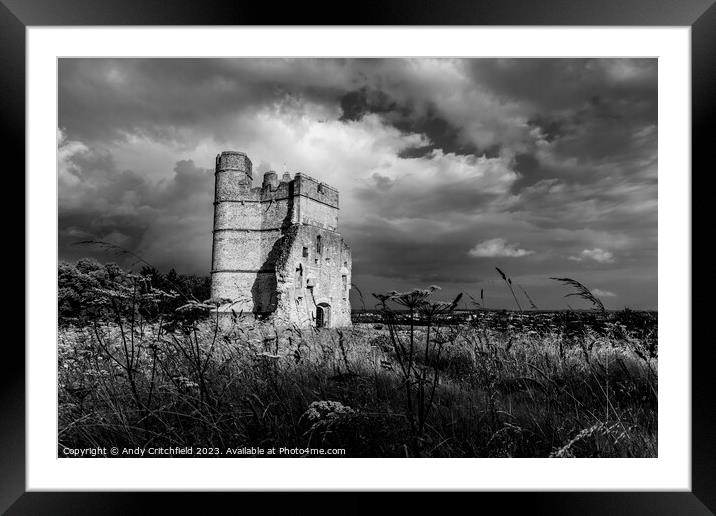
[{"x": 420, "y": 381}]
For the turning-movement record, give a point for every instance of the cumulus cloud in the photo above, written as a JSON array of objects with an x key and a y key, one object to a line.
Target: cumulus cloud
[
  {"x": 498, "y": 247},
  {"x": 596, "y": 254},
  {"x": 436, "y": 184},
  {"x": 166, "y": 222},
  {"x": 603, "y": 293},
  {"x": 556, "y": 154}
]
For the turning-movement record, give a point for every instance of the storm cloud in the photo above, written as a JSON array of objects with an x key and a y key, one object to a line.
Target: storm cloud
[{"x": 447, "y": 168}]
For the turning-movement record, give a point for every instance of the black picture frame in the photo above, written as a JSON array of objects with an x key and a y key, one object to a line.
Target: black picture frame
[{"x": 700, "y": 15}]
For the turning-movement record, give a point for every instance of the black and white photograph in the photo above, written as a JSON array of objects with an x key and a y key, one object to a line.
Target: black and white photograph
[{"x": 357, "y": 257}]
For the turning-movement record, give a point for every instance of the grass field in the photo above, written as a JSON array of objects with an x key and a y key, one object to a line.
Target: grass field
[{"x": 491, "y": 384}]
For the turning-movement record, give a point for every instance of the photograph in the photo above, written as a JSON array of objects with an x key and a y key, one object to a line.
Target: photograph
[
  {"x": 392, "y": 257},
  {"x": 421, "y": 249}
]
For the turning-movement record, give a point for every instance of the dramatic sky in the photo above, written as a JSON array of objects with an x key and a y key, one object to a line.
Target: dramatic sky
[{"x": 446, "y": 168}]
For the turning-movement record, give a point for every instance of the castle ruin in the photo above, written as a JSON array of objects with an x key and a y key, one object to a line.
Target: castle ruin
[{"x": 276, "y": 252}]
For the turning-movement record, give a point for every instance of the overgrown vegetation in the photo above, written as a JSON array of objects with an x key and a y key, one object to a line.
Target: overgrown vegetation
[
  {"x": 144, "y": 361},
  {"x": 80, "y": 298}
]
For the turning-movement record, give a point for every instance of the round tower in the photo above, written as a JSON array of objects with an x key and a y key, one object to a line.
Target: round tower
[
  {"x": 233, "y": 176},
  {"x": 233, "y": 180}
]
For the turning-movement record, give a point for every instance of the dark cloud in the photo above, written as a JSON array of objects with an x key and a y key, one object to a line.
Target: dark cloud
[
  {"x": 405, "y": 117},
  {"x": 552, "y": 85},
  {"x": 356, "y": 104},
  {"x": 550, "y": 128},
  {"x": 433, "y": 158},
  {"x": 177, "y": 100},
  {"x": 167, "y": 223},
  {"x": 397, "y": 199},
  {"x": 441, "y": 133},
  {"x": 396, "y": 255}
]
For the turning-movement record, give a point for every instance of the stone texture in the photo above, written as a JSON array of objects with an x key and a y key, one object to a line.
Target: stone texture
[{"x": 276, "y": 251}]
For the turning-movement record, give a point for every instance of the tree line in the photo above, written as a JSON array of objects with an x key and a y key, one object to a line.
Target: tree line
[{"x": 85, "y": 287}]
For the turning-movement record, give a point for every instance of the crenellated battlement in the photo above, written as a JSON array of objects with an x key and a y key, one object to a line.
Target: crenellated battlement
[
  {"x": 313, "y": 189},
  {"x": 233, "y": 160},
  {"x": 301, "y": 199}
]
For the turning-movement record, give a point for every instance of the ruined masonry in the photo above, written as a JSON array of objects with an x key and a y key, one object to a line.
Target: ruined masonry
[{"x": 276, "y": 252}]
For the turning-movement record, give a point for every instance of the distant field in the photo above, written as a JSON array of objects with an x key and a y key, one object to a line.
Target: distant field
[{"x": 643, "y": 324}]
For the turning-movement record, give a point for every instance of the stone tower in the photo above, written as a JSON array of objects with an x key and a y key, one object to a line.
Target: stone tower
[{"x": 276, "y": 251}]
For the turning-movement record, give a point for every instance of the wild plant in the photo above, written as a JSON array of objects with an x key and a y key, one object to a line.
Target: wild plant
[
  {"x": 583, "y": 292},
  {"x": 420, "y": 380},
  {"x": 508, "y": 282},
  {"x": 147, "y": 368}
]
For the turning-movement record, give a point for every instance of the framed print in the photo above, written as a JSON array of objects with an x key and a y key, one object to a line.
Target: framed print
[{"x": 426, "y": 251}]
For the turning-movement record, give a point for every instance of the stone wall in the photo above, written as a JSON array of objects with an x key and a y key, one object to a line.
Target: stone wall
[
  {"x": 251, "y": 215},
  {"x": 306, "y": 278},
  {"x": 309, "y": 187},
  {"x": 316, "y": 203},
  {"x": 249, "y": 292}
]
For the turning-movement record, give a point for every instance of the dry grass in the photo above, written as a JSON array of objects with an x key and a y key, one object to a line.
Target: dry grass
[{"x": 500, "y": 393}]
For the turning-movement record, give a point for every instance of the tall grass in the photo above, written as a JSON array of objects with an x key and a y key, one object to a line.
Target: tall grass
[{"x": 460, "y": 390}]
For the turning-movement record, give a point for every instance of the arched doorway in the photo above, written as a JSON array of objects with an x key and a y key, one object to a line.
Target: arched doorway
[{"x": 323, "y": 315}]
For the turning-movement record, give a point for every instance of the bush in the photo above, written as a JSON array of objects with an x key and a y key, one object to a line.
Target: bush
[{"x": 81, "y": 285}]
